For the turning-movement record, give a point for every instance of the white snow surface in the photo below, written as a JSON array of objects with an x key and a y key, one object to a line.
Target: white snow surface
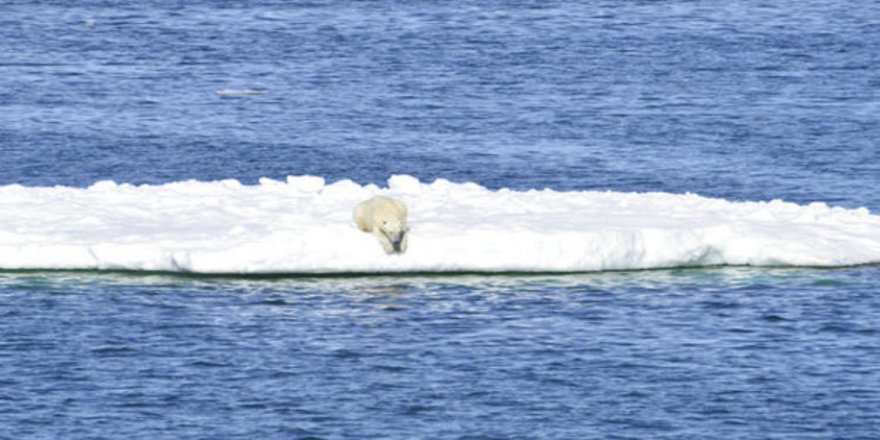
[{"x": 304, "y": 225}]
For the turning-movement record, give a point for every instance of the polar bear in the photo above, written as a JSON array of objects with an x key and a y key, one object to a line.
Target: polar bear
[{"x": 386, "y": 219}]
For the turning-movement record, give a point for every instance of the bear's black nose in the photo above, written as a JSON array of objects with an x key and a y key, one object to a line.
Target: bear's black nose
[{"x": 397, "y": 243}]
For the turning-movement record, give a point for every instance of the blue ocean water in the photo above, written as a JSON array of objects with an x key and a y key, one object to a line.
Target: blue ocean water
[
  {"x": 714, "y": 353},
  {"x": 747, "y": 100}
]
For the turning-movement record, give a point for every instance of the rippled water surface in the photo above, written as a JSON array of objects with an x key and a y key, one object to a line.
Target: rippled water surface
[
  {"x": 747, "y": 100},
  {"x": 743, "y": 100},
  {"x": 724, "y": 353}
]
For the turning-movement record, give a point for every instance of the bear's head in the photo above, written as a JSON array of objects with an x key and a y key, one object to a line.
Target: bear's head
[{"x": 394, "y": 229}]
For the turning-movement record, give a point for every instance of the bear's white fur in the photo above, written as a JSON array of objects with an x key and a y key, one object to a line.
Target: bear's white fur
[{"x": 386, "y": 219}]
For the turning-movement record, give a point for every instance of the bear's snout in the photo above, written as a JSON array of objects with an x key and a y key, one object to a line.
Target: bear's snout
[{"x": 397, "y": 240}]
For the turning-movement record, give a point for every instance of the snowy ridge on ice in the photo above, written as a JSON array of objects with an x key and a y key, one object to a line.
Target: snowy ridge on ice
[{"x": 304, "y": 225}]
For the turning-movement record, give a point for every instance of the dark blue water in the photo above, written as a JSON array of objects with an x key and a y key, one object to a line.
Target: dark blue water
[
  {"x": 747, "y": 100},
  {"x": 715, "y": 353},
  {"x": 743, "y": 100}
]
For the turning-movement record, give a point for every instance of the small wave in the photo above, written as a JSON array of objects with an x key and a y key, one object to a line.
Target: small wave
[{"x": 241, "y": 92}]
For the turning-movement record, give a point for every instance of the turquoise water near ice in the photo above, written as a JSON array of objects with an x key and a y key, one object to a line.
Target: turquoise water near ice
[{"x": 745, "y": 101}]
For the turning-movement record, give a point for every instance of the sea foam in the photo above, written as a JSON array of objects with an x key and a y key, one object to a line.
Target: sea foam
[{"x": 304, "y": 225}]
